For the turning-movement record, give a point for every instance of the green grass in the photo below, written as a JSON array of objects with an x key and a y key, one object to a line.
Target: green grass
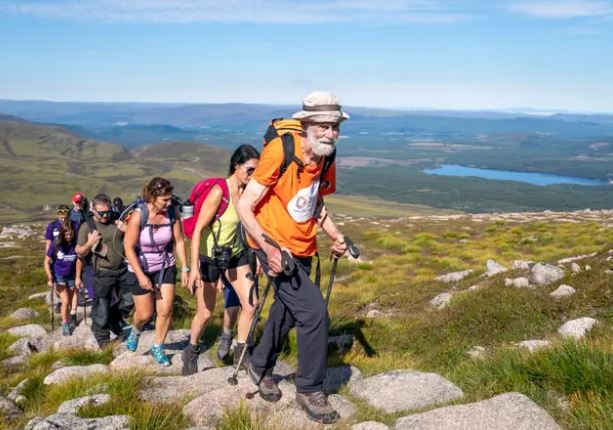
[{"x": 403, "y": 259}]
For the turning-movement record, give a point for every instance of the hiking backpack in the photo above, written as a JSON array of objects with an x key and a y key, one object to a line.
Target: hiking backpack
[
  {"x": 199, "y": 193},
  {"x": 284, "y": 128}
]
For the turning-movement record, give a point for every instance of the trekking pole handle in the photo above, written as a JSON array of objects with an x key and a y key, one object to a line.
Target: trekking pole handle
[
  {"x": 354, "y": 251},
  {"x": 288, "y": 263}
]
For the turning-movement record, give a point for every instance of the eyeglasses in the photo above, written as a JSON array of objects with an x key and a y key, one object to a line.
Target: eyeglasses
[
  {"x": 104, "y": 214},
  {"x": 163, "y": 183}
]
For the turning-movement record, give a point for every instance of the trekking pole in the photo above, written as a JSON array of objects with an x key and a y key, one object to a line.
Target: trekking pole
[
  {"x": 288, "y": 268},
  {"x": 354, "y": 252},
  {"x": 51, "y": 294},
  {"x": 82, "y": 293}
]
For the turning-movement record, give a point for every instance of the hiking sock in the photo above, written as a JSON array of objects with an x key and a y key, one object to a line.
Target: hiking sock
[
  {"x": 73, "y": 312},
  {"x": 194, "y": 349},
  {"x": 228, "y": 331}
]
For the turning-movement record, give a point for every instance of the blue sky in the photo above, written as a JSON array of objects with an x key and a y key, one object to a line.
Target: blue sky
[{"x": 457, "y": 54}]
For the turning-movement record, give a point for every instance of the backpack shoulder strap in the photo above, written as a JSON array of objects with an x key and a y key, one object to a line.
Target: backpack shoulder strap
[
  {"x": 89, "y": 220},
  {"x": 225, "y": 197},
  {"x": 289, "y": 153},
  {"x": 144, "y": 214}
]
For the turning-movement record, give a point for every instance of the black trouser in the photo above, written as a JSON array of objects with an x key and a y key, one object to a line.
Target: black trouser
[
  {"x": 298, "y": 302},
  {"x": 106, "y": 315}
]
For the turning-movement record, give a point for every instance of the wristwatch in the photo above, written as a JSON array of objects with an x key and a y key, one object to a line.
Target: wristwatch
[{"x": 184, "y": 269}]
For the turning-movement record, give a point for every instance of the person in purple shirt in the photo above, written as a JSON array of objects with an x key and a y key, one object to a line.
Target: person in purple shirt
[
  {"x": 53, "y": 229},
  {"x": 63, "y": 270}
]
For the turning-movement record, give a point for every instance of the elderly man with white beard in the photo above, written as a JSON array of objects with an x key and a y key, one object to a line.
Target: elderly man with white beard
[{"x": 288, "y": 207}]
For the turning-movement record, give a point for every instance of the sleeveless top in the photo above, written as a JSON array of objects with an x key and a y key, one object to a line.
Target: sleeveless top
[
  {"x": 150, "y": 247},
  {"x": 225, "y": 230}
]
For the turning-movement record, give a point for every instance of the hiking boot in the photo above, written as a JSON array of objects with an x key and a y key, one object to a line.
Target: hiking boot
[
  {"x": 268, "y": 387},
  {"x": 132, "y": 342},
  {"x": 66, "y": 329},
  {"x": 225, "y": 342},
  {"x": 238, "y": 350},
  {"x": 160, "y": 357},
  {"x": 72, "y": 322},
  {"x": 317, "y": 407},
  {"x": 190, "y": 359}
]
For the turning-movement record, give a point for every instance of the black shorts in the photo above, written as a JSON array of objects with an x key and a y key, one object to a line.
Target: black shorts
[
  {"x": 209, "y": 271},
  {"x": 170, "y": 277}
]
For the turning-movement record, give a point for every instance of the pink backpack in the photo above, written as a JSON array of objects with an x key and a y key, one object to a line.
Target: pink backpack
[{"x": 197, "y": 197}]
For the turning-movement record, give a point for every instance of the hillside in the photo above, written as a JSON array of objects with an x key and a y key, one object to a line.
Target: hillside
[
  {"x": 439, "y": 307},
  {"x": 44, "y": 165}
]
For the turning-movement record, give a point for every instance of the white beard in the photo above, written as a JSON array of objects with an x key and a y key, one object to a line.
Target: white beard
[{"x": 321, "y": 147}]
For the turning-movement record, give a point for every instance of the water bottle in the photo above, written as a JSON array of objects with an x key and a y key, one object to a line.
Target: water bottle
[{"x": 187, "y": 209}]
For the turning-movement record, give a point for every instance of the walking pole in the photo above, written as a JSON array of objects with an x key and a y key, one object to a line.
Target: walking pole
[
  {"x": 51, "y": 294},
  {"x": 354, "y": 252},
  {"x": 82, "y": 293},
  {"x": 288, "y": 268}
]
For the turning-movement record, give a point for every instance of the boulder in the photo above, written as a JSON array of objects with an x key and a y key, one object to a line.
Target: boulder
[
  {"x": 16, "y": 394},
  {"x": 521, "y": 265},
  {"x": 588, "y": 267},
  {"x": 520, "y": 282},
  {"x": 545, "y": 274},
  {"x": 9, "y": 410},
  {"x": 493, "y": 268},
  {"x": 508, "y": 282},
  {"x": 28, "y": 330},
  {"x": 13, "y": 362},
  {"x": 65, "y": 373},
  {"x": 454, "y": 276},
  {"x": 29, "y": 345},
  {"x": 575, "y": 268},
  {"x": 167, "y": 389},
  {"x": 72, "y": 422},
  {"x": 576, "y": 328},
  {"x": 510, "y": 411},
  {"x": 442, "y": 300},
  {"x": 563, "y": 291},
  {"x": 404, "y": 389},
  {"x": 132, "y": 360},
  {"x": 38, "y": 296},
  {"x": 534, "y": 344},
  {"x": 73, "y": 406},
  {"x": 337, "y": 377},
  {"x": 369, "y": 425},
  {"x": 24, "y": 314}
]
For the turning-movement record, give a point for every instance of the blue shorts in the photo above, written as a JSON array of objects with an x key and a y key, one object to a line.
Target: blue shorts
[
  {"x": 64, "y": 280},
  {"x": 230, "y": 298}
]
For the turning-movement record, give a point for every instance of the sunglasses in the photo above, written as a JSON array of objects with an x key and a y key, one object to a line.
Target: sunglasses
[
  {"x": 105, "y": 214},
  {"x": 62, "y": 212}
]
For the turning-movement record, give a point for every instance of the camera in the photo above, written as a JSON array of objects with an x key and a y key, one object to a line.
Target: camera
[{"x": 222, "y": 255}]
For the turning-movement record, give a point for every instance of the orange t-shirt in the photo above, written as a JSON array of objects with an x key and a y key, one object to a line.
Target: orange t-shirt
[{"x": 286, "y": 212}]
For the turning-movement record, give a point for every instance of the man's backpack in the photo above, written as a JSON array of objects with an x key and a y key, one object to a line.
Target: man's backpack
[
  {"x": 284, "y": 128},
  {"x": 199, "y": 193}
]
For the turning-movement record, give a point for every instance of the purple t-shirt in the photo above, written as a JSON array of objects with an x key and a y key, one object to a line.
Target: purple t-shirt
[
  {"x": 64, "y": 261},
  {"x": 53, "y": 230}
]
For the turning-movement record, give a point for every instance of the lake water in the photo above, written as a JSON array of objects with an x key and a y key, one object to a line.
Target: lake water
[{"x": 541, "y": 179}]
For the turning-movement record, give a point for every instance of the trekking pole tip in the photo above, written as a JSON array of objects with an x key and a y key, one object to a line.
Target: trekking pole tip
[{"x": 232, "y": 380}]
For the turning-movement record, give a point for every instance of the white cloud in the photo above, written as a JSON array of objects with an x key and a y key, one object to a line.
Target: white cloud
[
  {"x": 242, "y": 11},
  {"x": 565, "y": 9}
]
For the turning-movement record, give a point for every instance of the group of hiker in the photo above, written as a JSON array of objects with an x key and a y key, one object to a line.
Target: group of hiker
[{"x": 261, "y": 219}]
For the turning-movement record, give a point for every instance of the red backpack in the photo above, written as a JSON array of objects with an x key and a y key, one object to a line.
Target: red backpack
[{"x": 197, "y": 197}]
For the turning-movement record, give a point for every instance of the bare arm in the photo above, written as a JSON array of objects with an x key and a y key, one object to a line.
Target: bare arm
[
  {"x": 253, "y": 194},
  {"x": 129, "y": 244},
  {"x": 47, "y": 265},
  {"x": 93, "y": 237},
  {"x": 179, "y": 240},
  {"x": 327, "y": 224},
  {"x": 78, "y": 270}
]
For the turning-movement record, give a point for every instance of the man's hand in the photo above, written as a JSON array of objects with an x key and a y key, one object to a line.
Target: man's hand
[
  {"x": 121, "y": 226},
  {"x": 339, "y": 247},
  {"x": 93, "y": 238}
]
